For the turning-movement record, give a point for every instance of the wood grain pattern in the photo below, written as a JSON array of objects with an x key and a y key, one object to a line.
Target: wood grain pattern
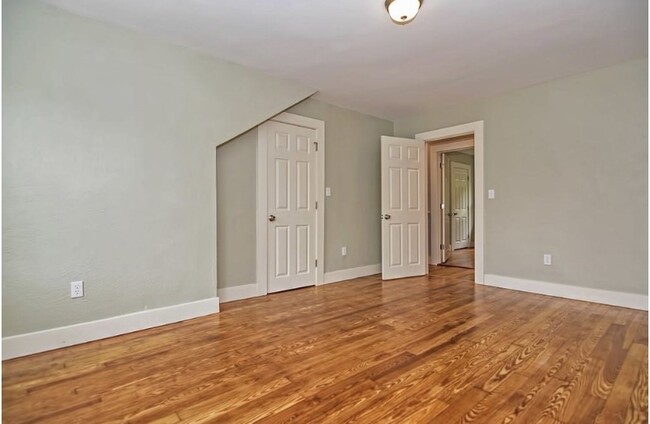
[
  {"x": 416, "y": 350},
  {"x": 462, "y": 258}
]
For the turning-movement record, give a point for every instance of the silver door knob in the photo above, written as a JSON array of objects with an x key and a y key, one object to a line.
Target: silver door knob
[{"x": 271, "y": 218}]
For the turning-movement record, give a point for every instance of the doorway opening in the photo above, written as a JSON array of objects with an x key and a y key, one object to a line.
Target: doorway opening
[
  {"x": 411, "y": 236},
  {"x": 468, "y": 138},
  {"x": 455, "y": 189}
]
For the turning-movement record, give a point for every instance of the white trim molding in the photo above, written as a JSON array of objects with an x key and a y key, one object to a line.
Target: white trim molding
[
  {"x": 229, "y": 294},
  {"x": 262, "y": 197},
  {"x": 41, "y": 341},
  {"x": 607, "y": 297},
  {"x": 247, "y": 291},
  {"x": 475, "y": 129},
  {"x": 350, "y": 273}
]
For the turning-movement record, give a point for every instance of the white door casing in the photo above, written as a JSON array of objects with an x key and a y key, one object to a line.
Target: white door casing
[
  {"x": 460, "y": 205},
  {"x": 291, "y": 206},
  {"x": 436, "y": 138},
  {"x": 445, "y": 228},
  {"x": 262, "y": 226},
  {"x": 404, "y": 209}
]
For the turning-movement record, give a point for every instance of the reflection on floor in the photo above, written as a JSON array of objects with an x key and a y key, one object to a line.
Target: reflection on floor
[{"x": 463, "y": 258}]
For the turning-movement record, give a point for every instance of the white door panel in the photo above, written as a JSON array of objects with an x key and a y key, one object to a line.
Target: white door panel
[
  {"x": 460, "y": 202},
  {"x": 404, "y": 210},
  {"x": 291, "y": 206}
]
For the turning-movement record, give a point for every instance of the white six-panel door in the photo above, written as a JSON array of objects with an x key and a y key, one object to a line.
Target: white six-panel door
[
  {"x": 460, "y": 205},
  {"x": 291, "y": 206},
  {"x": 403, "y": 202}
]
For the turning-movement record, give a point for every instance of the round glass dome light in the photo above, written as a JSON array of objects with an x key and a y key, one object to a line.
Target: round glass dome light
[{"x": 403, "y": 11}]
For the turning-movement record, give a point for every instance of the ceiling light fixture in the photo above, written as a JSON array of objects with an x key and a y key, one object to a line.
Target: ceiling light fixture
[{"x": 403, "y": 11}]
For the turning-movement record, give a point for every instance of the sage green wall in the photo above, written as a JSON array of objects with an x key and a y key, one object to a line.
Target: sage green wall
[
  {"x": 236, "y": 210},
  {"x": 351, "y": 213},
  {"x": 569, "y": 162},
  {"x": 109, "y": 143}
]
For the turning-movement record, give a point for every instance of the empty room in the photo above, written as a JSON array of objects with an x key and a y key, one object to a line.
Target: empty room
[{"x": 369, "y": 211}]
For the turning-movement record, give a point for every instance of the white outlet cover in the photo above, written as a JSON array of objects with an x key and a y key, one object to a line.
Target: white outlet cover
[
  {"x": 76, "y": 289},
  {"x": 491, "y": 194},
  {"x": 328, "y": 191},
  {"x": 344, "y": 250},
  {"x": 547, "y": 259}
]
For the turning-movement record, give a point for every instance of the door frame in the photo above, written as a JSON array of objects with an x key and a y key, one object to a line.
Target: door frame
[
  {"x": 262, "y": 197},
  {"x": 470, "y": 189},
  {"x": 477, "y": 130},
  {"x": 439, "y": 161}
]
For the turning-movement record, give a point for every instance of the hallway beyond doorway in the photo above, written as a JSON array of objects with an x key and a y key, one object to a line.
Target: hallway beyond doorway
[{"x": 462, "y": 258}]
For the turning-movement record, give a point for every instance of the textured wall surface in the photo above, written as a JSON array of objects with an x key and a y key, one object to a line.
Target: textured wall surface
[
  {"x": 569, "y": 162},
  {"x": 237, "y": 210},
  {"x": 109, "y": 143}
]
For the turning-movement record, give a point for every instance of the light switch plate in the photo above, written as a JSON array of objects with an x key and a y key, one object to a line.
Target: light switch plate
[
  {"x": 490, "y": 194},
  {"x": 328, "y": 191}
]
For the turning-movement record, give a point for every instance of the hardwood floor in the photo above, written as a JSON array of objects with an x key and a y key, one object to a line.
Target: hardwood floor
[
  {"x": 463, "y": 258},
  {"x": 418, "y": 350}
]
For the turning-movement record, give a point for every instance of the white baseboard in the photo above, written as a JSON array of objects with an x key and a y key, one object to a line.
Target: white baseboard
[
  {"x": 627, "y": 300},
  {"x": 228, "y": 294},
  {"x": 40, "y": 341},
  {"x": 350, "y": 273}
]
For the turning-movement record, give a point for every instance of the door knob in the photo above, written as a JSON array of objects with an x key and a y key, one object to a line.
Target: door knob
[
  {"x": 271, "y": 218},
  {"x": 455, "y": 213},
  {"x": 386, "y": 216}
]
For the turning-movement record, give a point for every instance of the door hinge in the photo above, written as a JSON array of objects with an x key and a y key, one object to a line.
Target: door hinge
[
  {"x": 442, "y": 247},
  {"x": 441, "y": 164},
  {"x": 315, "y": 263},
  {"x": 316, "y": 145},
  {"x": 317, "y": 205},
  {"x": 442, "y": 206}
]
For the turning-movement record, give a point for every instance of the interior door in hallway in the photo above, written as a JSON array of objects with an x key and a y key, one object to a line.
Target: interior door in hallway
[
  {"x": 404, "y": 208},
  {"x": 460, "y": 205},
  {"x": 292, "y": 159}
]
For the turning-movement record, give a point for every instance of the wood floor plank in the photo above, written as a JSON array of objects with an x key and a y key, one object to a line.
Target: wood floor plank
[
  {"x": 424, "y": 349},
  {"x": 616, "y": 406}
]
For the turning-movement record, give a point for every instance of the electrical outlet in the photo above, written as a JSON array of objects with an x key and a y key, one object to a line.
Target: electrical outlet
[
  {"x": 547, "y": 259},
  {"x": 491, "y": 194},
  {"x": 76, "y": 289},
  {"x": 344, "y": 251}
]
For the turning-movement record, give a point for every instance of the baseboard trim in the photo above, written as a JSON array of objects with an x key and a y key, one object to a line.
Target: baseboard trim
[
  {"x": 350, "y": 273},
  {"x": 229, "y": 294},
  {"x": 627, "y": 300},
  {"x": 246, "y": 291},
  {"x": 41, "y": 341}
]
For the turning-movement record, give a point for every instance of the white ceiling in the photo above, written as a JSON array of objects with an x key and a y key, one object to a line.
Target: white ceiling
[{"x": 454, "y": 51}]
